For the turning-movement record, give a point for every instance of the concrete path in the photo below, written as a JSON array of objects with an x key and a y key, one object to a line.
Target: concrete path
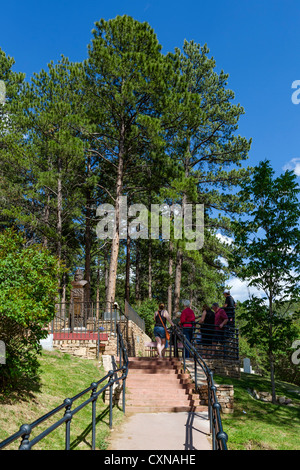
[{"x": 186, "y": 431}]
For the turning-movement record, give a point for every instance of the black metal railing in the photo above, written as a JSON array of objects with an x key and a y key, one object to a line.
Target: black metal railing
[
  {"x": 118, "y": 375},
  {"x": 85, "y": 317},
  {"x": 132, "y": 315},
  {"x": 212, "y": 343},
  {"x": 219, "y": 437}
]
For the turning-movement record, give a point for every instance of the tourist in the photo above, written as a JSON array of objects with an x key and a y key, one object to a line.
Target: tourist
[
  {"x": 221, "y": 320},
  {"x": 207, "y": 322},
  {"x": 229, "y": 308},
  {"x": 161, "y": 317},
  {"x": 187, "y": 320}
]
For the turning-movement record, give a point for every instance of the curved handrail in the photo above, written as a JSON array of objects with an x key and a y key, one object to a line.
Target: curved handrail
[
  {"x": 110, "y": 378},
  {"x": 219, "y": 437}
]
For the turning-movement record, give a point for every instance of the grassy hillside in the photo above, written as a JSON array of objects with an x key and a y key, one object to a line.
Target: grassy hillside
[
  {"x": 62, "y": 376},
  {"x": 253, "y": 425},
  {"x": 257, "y": 425}
]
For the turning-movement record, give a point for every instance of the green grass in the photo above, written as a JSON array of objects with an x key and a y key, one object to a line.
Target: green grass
[
  {"x": 61, "y": 376},
  {"x": 256, "y": 425}
]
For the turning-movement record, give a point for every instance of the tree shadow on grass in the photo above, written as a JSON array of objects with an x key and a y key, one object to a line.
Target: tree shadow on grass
[
  {"x": 82, "y": 438},
  {"x": 23, "y": 389}
]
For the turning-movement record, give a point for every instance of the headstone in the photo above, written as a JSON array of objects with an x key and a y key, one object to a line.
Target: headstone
[
  {"x": 2, "y": 353},
  {"x": 47, "y": 343},
  {"x": 247, "y": 366}
]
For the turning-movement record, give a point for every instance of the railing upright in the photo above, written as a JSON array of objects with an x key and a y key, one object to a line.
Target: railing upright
[
  {"x": 25, "y": 430},
  {"x": 219, "y": 437}
]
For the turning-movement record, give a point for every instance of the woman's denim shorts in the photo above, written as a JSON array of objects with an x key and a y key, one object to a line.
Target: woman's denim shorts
[{"x": 159, "y": 331}]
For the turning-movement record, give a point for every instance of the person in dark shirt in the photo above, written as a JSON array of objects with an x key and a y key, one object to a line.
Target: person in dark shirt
[
  {"x": 221, "y": 320},
  {"x": 207, "y": 322},
  {"x": 187, "y": 322},
  {"x": 229, "y": 308}
]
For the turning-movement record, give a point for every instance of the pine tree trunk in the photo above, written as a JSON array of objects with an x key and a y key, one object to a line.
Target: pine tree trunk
[
  {"x": 178, "y": 271},
  {"x": 59, "y": 223},
  {"x": 272, "y": 376},
  {"x": 271, "y": 356},
  {"x": 106, "y": 266},
  {"x": 98, "y": 291},
  {"x": 127, "y": 280},
  {"x": 170, "y": 275},
  {"x": 179, "y": 257},
  {"x": 59, "y": 211},
  {"x": 113, "y": 267},
  {"x": 88, "y": 238},
  {"x": 150, "y": 268},
  {"x": 46, "y": 220},
  {"x": 138, "y": 272}
]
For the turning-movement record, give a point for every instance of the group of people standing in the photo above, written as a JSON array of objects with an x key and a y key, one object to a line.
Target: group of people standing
[{"x": 212, "y": 319}]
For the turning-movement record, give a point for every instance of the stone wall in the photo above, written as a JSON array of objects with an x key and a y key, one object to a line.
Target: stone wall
[
  {"x": 224, "y": 368},
  {"x": 134, "y": 340},
  {"x": 81, "y": 348},
  {"x": 225, "y": 396}
]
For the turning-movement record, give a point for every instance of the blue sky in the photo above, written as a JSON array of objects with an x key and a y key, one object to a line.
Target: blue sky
[{"x": 256, "y": 42}]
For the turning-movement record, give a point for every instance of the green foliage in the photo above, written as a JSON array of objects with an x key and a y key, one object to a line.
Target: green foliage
[
  {"x": 28, "y": 288},
  {"x": 146, "y": 311},
  {"x": 127, "y": 121},
  {"x": 267, "y": 256},
  {"x": 255, "y": 425},
  {"x": 274, "y": 334},
  {"x": 61, "y": 376}
]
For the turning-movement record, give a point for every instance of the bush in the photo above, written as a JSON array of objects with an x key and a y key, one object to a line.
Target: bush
[
  {"x": 146, "y": 311},
  {"x": 28, "y": 288}
]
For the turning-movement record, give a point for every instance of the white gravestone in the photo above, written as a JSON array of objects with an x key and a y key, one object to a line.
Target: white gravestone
[{"x": 247, "y": 366}]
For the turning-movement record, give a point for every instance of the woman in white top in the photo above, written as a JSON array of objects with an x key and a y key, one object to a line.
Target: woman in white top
[{"x": 161, "y": 317}]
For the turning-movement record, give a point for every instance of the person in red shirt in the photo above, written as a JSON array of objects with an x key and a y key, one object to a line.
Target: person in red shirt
[
  {"x": 221, "y": 319},
  {"x": 187, "y": 319}
]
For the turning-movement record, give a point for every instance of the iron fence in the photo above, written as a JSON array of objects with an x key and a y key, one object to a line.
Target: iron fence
[
  {"x": 132, "y": 315},
  {"x": 74, "y": 318},
  {"x": 113, "y": 376},
  {"x": 219, "y": 437},
  {"x": 212, "y": 343}
]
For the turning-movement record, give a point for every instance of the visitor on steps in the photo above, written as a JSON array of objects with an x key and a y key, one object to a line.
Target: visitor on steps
[
  {"x": 187, "y": 322},
  {"x": 207, "y": 322},
  {"x": 229, "y": 308},
  {"x": 161, "y": 317},
  {"x": 221, "y": 320}
]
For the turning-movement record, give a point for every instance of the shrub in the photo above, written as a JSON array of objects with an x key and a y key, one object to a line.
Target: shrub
[
  {"x": 28, "y": 288},
  {"x": 146, "y": 311}
]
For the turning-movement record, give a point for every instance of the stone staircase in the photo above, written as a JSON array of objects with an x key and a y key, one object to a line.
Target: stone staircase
[{"x": 159, "y": 385}]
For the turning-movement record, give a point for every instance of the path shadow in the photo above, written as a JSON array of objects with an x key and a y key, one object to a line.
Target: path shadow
[
  {"x": 190, "y": 429},
  {"x": 82, "y": 438}
]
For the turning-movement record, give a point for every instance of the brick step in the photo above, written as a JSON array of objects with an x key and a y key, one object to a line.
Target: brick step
[
  {"x": 153, "y": 401},
  {"x": 160, "y": 385},
  {"x": 156, "y": 372},
  {"x": 164, "y": 390},
  {"x": 152, "y": 359},
  {"x": 154, "y": 362},
  {"x": 164, "y": 409},
  {"x": 162, "y": 370},
  {"x": 146, "y": 367},
  {"x": 158, "y": 379},
  {"x": 141, "y": 383},
  {"x": 169, "y": 395},
  {"x": 165, "y": 386}
]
